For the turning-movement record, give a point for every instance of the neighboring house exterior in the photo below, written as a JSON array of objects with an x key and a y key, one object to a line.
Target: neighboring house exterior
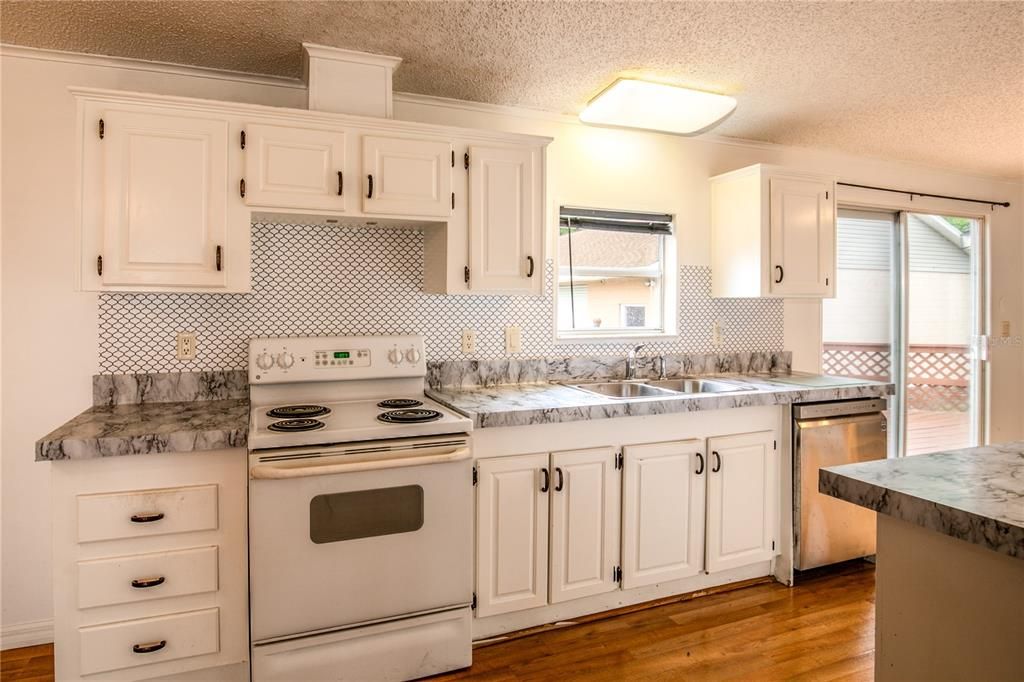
[
  {"x": 940, "y": 283},
  {"x": 616, "y": 282}
]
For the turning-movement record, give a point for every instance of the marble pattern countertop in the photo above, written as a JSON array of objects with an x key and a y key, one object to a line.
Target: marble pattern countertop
[
  {"x": 148, "y": 428},
  {"x": 975, "y": 494},
  {"x": 545, "y": 403}
]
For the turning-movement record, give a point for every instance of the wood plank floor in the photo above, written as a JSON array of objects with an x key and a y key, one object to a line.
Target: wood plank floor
[
  {"x": 934, "y": 431},
  {"x": 823, "y": 629}
]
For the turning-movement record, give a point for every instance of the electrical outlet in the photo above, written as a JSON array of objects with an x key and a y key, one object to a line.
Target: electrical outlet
[
  {"x": 716, "y": 333},
  {"x": 513, "y": 339},
  {"x": 468, "y": 341},
  {"x": 186, "y": 346}
]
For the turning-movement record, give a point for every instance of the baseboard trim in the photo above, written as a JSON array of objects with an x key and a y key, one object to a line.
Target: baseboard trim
[{"x": 26, "y": 634}]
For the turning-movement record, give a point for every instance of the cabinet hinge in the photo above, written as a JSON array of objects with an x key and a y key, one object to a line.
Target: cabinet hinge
[
  {"x": 102, "y": 129},
  {"x": 465, "y": 274},
  {"x": 826, "y": 281},
  {"x": 475, "y": 475},
  {"x": 99, "y": 265},
  {"x": 617, "y": 574},
  {"x": 465, "y": 160},
  {"x": 241, "y": 139},
  {"x": 453, "y": 158},
  {"x": 773, "y": 544},
  {"x": 472, "y": 604},
  {"x": 241, "y": 187},
  {"x": 618, "y": 460},
  {"x": 453, "y": 201},
  {"x": 826, "y": 195},
  {"x": 775, "y": 445}
]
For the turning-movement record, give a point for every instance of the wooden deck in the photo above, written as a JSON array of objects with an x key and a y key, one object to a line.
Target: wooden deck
[{"x": 934, "y": 431}]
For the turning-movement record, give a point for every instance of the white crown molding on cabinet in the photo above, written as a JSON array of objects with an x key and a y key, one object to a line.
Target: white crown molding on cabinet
[
  {"x": 45, "y": 55},
  {"x": 288, "y": 115},
  {"x": 26, "y": 634},
  {"x": 449, "y": 103}
]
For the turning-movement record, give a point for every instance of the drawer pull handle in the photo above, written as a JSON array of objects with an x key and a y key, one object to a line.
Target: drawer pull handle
[
  {"x": 148, "y": 582},
  {"x": 147, "y": 518},
  {"x": 149, "y": 647}
]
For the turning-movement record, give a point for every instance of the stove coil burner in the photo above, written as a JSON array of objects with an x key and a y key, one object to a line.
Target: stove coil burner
[
  {"x": 296, "y": 425},
  {"x": 415, "y": 416},
  {"x": 298, "y": 412},
  {"x": 399, "y": 403}
]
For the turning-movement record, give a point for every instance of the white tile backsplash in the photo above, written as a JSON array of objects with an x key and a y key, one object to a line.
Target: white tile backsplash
[{"x": 331, "y": 280}]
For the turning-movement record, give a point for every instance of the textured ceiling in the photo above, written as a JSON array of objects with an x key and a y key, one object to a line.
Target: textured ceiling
[{"x": 940, "y": 83}]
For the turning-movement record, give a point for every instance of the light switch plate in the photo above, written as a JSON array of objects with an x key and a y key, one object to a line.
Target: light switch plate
[
  {"x": 468, "y": 341},
  {"x": 513, "y": 339}
]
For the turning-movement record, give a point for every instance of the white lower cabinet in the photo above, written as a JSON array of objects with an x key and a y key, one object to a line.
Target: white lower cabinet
[
  {"x": 512, "y": 533},
  {"x": 150, "y": 562},
  {"x": 584, "y": 523},
  {"x": 742, "y": 502},
  {"x": 662, "y": 512},
  {"x": 554, "y": 527}
]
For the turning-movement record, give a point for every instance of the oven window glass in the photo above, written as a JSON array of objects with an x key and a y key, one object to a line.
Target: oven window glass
[{"x": 365, "y": 513}]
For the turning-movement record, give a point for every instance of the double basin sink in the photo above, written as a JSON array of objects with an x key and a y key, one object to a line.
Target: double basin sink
[{"x": 661, "y": 388}]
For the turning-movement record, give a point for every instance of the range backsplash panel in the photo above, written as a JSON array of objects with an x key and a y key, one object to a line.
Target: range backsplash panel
[{"x": 332, "y": 280}]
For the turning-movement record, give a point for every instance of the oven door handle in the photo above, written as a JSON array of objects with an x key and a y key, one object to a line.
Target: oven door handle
[{"x": 283, "y": 470}]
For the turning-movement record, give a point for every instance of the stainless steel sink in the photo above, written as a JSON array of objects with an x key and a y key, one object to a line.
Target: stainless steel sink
[
  {"x": 698, "y": 386},
  {"x": 624, "y": 389}
]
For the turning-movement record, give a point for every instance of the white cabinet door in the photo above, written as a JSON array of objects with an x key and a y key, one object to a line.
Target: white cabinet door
[
  {"x": 406, "y": 176},
  {"x": 802, "y": 237},
  {"x": 296, "y": 167},
  {"x": 584, "y": 523},
  {"x": 742, "y": 514},
  {"x": 505, "y": 217},
  {"x": 512, "y": 533},
  {"x": 662, "y": 512},
  {"x": 165, "y": 200}
]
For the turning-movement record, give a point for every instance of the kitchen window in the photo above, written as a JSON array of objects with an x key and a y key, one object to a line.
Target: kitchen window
[{"x": 611, "y": 273}]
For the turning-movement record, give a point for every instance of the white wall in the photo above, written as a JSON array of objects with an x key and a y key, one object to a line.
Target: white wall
[{"x": 49, "y": 342}]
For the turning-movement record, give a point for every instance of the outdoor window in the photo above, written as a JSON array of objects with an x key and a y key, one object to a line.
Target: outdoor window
[{"x": 611, "y": 273}]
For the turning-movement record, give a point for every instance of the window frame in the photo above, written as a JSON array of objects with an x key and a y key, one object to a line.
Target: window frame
[{"x": 669, "y": 303}]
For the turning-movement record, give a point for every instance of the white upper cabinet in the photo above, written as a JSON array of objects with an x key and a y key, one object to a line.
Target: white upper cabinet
[
  {"x": 773, "y": 233},
  {"x": 662, "y": 512},
  {"x": 505, "y": 219},
  {"x": 297, "y": 167},
  {"x": 584, "y": 523},
  {"x": 512, "y": 533},
  {"x": 159, "y": 198},
  {"x": 407, "y": 176},
  {"x": 742, "y": 502}
]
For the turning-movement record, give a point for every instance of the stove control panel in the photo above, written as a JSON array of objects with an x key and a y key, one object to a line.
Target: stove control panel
[
  {"x": 343, "y": 358},
  {"x": 285, "y": 360}
]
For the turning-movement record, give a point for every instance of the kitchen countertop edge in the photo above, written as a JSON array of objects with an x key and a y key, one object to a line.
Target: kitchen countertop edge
[{"x": 887, "y": 487}]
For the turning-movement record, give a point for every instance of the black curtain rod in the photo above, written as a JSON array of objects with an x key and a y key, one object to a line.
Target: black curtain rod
[{"x": 1004, "y": 204}]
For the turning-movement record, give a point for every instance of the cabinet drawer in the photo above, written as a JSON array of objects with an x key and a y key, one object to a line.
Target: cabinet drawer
[
  {"x": 132, "y": 514},
  {"x": 142, "y": 577},
  {"x": 149, "y": 640}
]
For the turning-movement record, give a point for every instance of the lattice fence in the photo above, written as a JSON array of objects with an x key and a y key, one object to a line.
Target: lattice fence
[{"x": 939, "y": 375}]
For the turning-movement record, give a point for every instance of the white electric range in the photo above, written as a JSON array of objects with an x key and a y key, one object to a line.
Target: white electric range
[{"x": 360, "y": 513}]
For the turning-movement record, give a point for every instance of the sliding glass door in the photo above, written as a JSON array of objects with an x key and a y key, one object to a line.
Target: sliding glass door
[{"x": 907, "y": 310}]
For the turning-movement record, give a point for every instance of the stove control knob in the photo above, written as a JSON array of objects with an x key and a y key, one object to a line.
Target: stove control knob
[
  {"x": 395, "y": 356},
  {"x": 285, "y": 360},
  {"x": 264, "y": 361},
  {"x": 412, "y": 355}
]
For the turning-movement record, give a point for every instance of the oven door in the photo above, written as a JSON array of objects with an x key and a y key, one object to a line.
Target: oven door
[{"x": 337, "y": 541}]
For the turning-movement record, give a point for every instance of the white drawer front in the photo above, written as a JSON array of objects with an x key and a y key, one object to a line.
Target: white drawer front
[
  {"x": 132, "y": 514},
  {"x": 141, "y": 577},
  {"x": 124, "y": 645}
]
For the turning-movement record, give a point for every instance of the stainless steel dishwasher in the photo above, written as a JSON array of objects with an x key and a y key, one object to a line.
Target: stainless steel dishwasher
[{"x": 828, "y": 530}]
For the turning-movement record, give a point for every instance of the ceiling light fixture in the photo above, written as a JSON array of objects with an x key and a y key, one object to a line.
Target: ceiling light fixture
[{"x": 633, "y": 103}]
